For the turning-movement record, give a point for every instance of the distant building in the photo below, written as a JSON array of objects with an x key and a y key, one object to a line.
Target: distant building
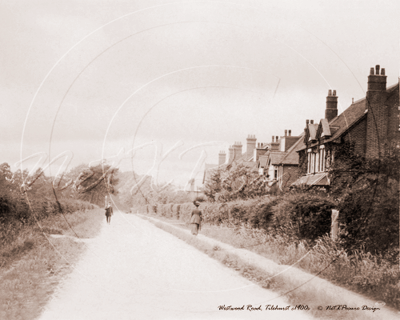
[
  {"x": 235, "y": 156},
  {"x": 278, "y": 161}
]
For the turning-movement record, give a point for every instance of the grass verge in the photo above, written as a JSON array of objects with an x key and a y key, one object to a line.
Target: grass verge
[{"x": 33, "y": 263}]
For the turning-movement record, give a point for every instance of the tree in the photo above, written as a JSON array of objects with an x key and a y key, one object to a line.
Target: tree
[
  {"x": 94, "y": 183},
  {"x": 235, "y": 182}
]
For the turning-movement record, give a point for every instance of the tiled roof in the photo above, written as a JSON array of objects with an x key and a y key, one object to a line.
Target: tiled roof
[
  {"x": 277, "y": 156},
  {"x": 250, "y": 164},
  {"x": 352, "y": 115},
  {"x": 262, "y": 160},
  {"x": 292, "y": 157},
  {"x": 347, "y": 118}
]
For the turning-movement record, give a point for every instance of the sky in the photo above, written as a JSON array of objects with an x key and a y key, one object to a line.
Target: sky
[{"x": 178, "y": 81}]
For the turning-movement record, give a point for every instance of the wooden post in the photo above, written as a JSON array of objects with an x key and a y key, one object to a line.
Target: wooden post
[{"x": 335, "y": 224}]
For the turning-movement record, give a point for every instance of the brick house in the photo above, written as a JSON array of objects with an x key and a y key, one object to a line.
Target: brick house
[
  {"x": 279, "y": 162},
  {"x": 371, "y": 124}
]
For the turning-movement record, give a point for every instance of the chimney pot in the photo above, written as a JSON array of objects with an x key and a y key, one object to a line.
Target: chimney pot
[
  {"x": 290, "y": 133},
  {"x": 352, "y": 100},
  {"x": 307, "y": 122},
  {"x": 273, "y": 138},
  {"x": 311, "y": 121},
  {"x": 277, "y": 138},
  {"x": 371, "y": 72},
  {"x": 331, "y": 106},
  {"x": 285, "y": 133},
  {"x": 329, "y": 92},
  {"x": 377, "y": 82}
]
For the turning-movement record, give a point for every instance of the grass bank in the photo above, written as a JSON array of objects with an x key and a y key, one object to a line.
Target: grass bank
[
  {"x": 32, "y": 262},
  {"x": 373, "y": 275},
  {"x": 297, "y": 286}
]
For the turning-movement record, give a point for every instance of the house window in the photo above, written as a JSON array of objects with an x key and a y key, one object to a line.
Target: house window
[
  {"x": 322, "y": 159},
  {"x": 312, "y": 162},
  {"x": 276, "y": 174},
  {"x": 317, "y": 163}
]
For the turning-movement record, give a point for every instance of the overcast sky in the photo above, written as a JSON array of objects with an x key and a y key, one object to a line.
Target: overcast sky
[{"x": 91, "y": 77}]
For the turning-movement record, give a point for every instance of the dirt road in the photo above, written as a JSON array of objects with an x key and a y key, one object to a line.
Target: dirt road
[{"x": 134, "y": 270}]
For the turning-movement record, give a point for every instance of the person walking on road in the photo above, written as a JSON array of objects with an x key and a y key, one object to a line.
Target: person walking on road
[
  {"x": 109, "y": 212},
  {"x": 196, "y": 218}
]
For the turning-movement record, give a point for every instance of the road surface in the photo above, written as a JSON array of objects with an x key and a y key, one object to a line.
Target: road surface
[{"x": 134, "y": 270}]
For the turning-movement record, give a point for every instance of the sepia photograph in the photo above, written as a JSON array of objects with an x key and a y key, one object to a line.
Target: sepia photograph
[{"x": 199, "y": 159}]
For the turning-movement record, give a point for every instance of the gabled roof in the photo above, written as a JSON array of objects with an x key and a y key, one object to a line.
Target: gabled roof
[
  {"x": 262, "y": 160},
  {"x": 345, "y": 120},
  {"x": 250, "y": 164},
  {"x": 312, "y": 129},
  {"x": 352, "y": 115},
  {"x": 292, "y": 157},
  {"x": 276, "y": 157},
  {"x": 323, "y": 129}
]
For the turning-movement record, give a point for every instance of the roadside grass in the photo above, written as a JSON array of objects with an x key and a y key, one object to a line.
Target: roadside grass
[
  {"x": 260, "y": 277},
  {"x": 360, "y": 272},
  {"x": 32, "y": 262}
]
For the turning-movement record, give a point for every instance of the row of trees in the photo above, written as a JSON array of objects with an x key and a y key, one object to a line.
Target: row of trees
[
  {"x": 85, "y": 183},
  {"x": 137, "y": 191},
  {"x": 235, "y": 181}
]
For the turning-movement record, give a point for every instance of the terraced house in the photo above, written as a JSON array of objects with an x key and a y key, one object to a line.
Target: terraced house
[
  {"x": 371, "y": 124},
  {"x": 278, "y": 162}
]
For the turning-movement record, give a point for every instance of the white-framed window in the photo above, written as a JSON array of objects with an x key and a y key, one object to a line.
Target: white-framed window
[
  {"x": 317, "y": 162},
  {"x": 312, "y": 162},
  {"x": 322, "y": 159}
]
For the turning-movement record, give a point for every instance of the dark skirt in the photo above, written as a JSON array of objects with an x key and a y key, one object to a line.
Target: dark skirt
[{"x": 194, "y": 228}]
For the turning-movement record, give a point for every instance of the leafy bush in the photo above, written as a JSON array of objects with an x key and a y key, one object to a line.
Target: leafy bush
[
  {"x": 235, "y": 181},
  {"x": 310, "y": 213},
  {"x": 367, "y": 193}
]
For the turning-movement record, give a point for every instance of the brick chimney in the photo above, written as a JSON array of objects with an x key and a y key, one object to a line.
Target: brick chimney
[
  {"x": 221, "y": 157},
  {"x": 251, "y": 145},
  {"x": 231, "y": 154},
  {"x": 331, "y": 110},
  {"x": 305, "y": 129},
  {"x": 377, "y": 118},
  {"x": 237, "y": 150},
  {"x": 275, "y": 144}
]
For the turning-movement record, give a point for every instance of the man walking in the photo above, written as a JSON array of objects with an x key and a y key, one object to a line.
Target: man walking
[{"x": 109, "y": 212}]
